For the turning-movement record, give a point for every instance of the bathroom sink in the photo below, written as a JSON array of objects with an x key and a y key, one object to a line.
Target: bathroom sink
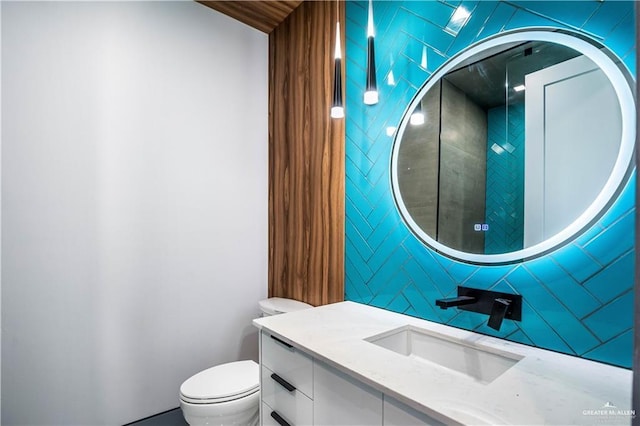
[{"x": 480, "y": 363}]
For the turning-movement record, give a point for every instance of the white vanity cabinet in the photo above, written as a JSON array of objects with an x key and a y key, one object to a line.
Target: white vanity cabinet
[
  {"x": 344, "y": 374},
  {"x": 286, "y": 380},
  {"x": 342, "y": 400},
  {"x": 297, "y": 390}
]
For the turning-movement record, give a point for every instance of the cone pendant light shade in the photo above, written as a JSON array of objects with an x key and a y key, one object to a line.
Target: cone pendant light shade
[
  {"x": 371, "y": 91},
  {"x": 417, "y": 117},
  {"x": 337, "y": 108}
]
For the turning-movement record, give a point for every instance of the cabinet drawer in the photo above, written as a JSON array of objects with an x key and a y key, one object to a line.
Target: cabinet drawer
[
  {"x": 292, "y": 405},
  {"x": 287, "y": 362},
  {"x": 268, "y": 418}
]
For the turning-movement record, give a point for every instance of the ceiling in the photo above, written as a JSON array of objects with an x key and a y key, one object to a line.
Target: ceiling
[
  {"x": 263, "y": 15},
  {"x": 489, "y": 82}
]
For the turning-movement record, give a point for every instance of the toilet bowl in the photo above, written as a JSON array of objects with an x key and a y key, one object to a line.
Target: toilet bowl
[{"x": 229, "y": 394}]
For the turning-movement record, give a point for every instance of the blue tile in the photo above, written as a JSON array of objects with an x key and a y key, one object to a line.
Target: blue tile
[
  {"x": 608, "y": 16},
  {"x": 525, "y": 19},
  {"x": 629, "y": 60},
  {"x": 469, "y": 32},
  {"x": 399, "y": 304},
  {"x": 614, "y": 280},
  {"x": 486, "y": 277},
  {"x": 442, "y": 260},
  {"x": 554, "y": 313},
  {"x": 520, "y": 337},
  {"x": 566, "y": 289},
  {"x": 422, "y": 280},
  {"x": 433, "y": 11},
  {"x": 503, "y": 286},
  {"x": 574, "y": 13},
  {"x": 496, "y": 22},
  {"x": 386, "y": 229},
  {"x": 420, "y": 253},
  {"x": 358, "y": 160},
  {"x": 416, "y": 77},
  {"x": 384, "y": 295},
  {"x": 452, "y": 3},
  {"x": 540, "y": 333},
  {"x": 384, "y": 13},
  {"x": 508, "y": 327},
  {"x": 355, "y": 56},
  {"x": 355, "y": 197},
  {"x": 617, "y": 239},
  {"x": 379, "y": 189},
  {"x": 358, "y": 284},
  {"x": 359, "y": 179},
  {"x": 378, "y": 195},
  {"x": 395, "y": 258},
  {"x": 383, "y": 209},
  {"x": 357, "y": 241},
  {"x": 617, "y": 351},
  {"x": 573, "y": 259},
  {"x": 380, "y": 152},
  {"x": 356, "y": 11},
  {"x": 356, "y": 264},
  {"x": 460, "y": 272},
  {"x": 467, "y": 320},
  {"x": 625, "y": 202},
  {"x": 612, "y": 319},
  {"x": 422, "y": 301},
  {"x": 435, "y": 60},
  {"x": 437, "y": 278},
  {"x": 585, "y": 236},
  {"x": 623, "y": 36},
  {"x": 430, "y": 33}
]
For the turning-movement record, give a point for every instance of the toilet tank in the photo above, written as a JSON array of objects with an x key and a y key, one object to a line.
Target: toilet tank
[{"x": 279, "y": 305}]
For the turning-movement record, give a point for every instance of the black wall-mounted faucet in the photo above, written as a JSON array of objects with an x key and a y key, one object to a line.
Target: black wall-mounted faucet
[
  {"x": 498, "y": 312},
  {"x": 495, "y": 304},
  {"x": 455, "y": 301}
]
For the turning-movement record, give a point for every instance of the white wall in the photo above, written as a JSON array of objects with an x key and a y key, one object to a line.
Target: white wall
[{"x": 134, "y": 204}]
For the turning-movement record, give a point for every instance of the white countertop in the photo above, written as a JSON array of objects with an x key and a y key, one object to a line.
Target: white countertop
[{"x": 544, "y": 387}]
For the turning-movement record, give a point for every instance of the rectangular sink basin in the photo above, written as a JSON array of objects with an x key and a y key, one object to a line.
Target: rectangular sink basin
[{"x": 479, "y": 363}]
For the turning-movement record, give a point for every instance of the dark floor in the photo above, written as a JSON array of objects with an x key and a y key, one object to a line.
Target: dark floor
[{"x": 168, "y": 418}]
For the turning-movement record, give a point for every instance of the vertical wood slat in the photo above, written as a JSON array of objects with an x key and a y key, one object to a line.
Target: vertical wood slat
[{"x": 306, "y": 158}]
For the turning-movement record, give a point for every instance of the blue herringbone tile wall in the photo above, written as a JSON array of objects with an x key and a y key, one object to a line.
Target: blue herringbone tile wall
[
  {"x": 505, "y": 180},
  {"x": 577, "y": 299}
]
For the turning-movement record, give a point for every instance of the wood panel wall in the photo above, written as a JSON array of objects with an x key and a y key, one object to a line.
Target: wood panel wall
[
  {"x": 306, "y": 158},
  {"x": 262, "y": 15}
]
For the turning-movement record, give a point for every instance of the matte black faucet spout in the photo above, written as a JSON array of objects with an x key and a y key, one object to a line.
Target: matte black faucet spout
[
  {"x": 498, "y": 305},
  {"x": 455, "y": 301},
  {"x": 498, "y": 312}
]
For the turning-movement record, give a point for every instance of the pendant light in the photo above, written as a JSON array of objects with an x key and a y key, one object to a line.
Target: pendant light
[
  {"x": 423, "y": 60},
  {"x": 417, "y": 117},
  {"x": 337, "y": 107},
  {"x": 371, "y": 91},
  {"x": 391, "y": 81}
]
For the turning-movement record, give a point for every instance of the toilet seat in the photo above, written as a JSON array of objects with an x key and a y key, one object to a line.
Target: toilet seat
[{"x": 222, "y": 383}]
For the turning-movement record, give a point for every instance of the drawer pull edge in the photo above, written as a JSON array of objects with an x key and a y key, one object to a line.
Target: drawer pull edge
[
  {"x": 278, "y": 418},
  {"x": 282, "y": 342},
  {"x": 282, "y": 382}
]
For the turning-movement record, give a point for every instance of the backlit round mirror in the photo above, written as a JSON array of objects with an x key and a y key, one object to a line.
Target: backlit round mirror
[{"x": 514, "y": 146}]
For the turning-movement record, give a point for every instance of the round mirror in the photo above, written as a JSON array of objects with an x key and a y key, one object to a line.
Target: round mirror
[{"x": 514, "y": 146}]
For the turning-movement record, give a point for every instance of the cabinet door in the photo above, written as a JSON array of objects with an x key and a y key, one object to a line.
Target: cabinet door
[
  {"x": 399, "y": 414},
  {"x": 341, "y": 400},
  {"x": 291, "y": 404},
  {"x": 288, "y": 362}
]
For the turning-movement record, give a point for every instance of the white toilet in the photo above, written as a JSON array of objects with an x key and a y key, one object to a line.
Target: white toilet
[{"x": 229, "y": 394}]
